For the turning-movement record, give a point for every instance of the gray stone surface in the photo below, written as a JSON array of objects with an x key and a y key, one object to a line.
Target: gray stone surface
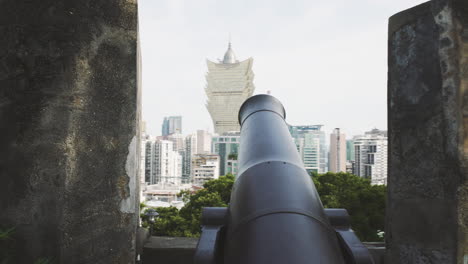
[
  {"x": 428, "y": 145},
  {"x": 170, "y": 250},
  {"x": 69, "y": 114},
  {"x": 180, "y": 250}
]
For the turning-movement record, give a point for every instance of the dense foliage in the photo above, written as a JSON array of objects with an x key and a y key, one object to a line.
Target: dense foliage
[
  {"x": 186, "y": 221},
  {"x": 364, "y": 202}
]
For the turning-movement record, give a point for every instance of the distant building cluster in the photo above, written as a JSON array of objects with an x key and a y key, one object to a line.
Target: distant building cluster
[{"x": 174, "y": 161}]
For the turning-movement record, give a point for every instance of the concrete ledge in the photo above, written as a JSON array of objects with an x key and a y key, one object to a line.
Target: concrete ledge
[
  {"x": 173, "y": 250},
  {"x": 180, "y": 250}
]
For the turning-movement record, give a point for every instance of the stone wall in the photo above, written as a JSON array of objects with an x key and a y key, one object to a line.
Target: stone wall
[
  {"x": 427, "y": 208},
  {"x": 69, "y": 116},
  {"x": 181, "y": 250}
]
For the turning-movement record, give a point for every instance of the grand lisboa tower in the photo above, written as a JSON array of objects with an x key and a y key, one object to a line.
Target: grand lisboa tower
[{"x": 228, "y": 84}]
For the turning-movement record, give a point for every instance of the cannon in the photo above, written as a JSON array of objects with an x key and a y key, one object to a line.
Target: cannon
[{"x": 275, "y": 214}]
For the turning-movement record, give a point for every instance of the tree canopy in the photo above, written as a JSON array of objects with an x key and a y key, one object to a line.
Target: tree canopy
[
  {"x": 364, "y": 202},
  {"x": 186, "y": 221}
]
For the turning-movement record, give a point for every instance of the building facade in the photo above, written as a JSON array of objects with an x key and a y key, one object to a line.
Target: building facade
[
  {"x": 190, "y": 151},
  {"x": 337, "y": 158},
  {"x": 350, "y": 150},
  {"x": 178, "y": 141},
  {"x": 162, "y": 163},
  {"x": 370, "y": 152},
  {"x": 232, "y": 166},
  {"x": 205, "y": 167},
  {"x": 228, "y": 84},
  {"x": 311, "y": 145},
  {"x": 203, "y": 142},
  {"x": 171, "y": 125},
  {"x": 227, "y": 148}
]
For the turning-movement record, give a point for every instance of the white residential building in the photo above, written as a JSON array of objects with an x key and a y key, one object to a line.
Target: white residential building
[
  {"x": 228, "y": 84},
  {"x": 337, "y": 158},
  {"x": 370, "y": 152},
  {"x": 190, "y": 150},
  {"x": 205, "y": 167},
  {"x": 178, "y": 141},
  {"x": 203, "y": 142},
  {"x": 162, "y": 163}
]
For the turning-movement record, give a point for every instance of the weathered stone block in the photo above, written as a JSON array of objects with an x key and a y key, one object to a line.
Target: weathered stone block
[
  {"x": 69, "y": 113},
  {"x": 427, "y": 209}
]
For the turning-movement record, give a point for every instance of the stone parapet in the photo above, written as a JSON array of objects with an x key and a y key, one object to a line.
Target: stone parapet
[
  {"x": 69, "y": 113},
  {"x": 427, "y": 205},
  {"x": 180, "y": 250}
]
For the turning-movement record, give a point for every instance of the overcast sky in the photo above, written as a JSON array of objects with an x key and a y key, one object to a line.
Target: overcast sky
[{"x": 326, "y": 61}]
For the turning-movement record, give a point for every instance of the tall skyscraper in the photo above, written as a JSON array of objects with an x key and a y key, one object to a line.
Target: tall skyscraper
[
  {"x": 370, "y": 152},
  {"x": 310, "y": 142},
  {"x": 171, "y": 125},
  {"x": 228, "y": 84},
  {"x": 337, "y": 161}
]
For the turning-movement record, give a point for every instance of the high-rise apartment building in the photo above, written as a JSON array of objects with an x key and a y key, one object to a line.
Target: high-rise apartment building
[
  {"x": 337, "y": 160},
  {"x": 171, "y": 125},
  {"x": 190, "y": 151},
  {"x": 370, "y": 151},
  {"x": 310, "y": 143},
  {"x": 227, "y": 147},
  {"x": 162, "y": 163},
  {"x": 144, "y": 139},
  {"x": 203, "y": 142},
  {"x": 350, "y": 156},
  {"x": 205, "y": 167},
  {"x": 228, "y": 84},
  {"x": 178, "y": 141},
  {"x": 350, "y": 150}
]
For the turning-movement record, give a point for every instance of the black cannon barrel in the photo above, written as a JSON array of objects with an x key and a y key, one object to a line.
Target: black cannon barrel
[{"x": 275, "y": 214}]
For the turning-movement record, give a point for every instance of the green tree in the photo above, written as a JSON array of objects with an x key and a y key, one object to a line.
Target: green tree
[
  {"x": 170, "y": 223},
  {"x": 365, "y": 202},
  {"x": 186, "y": 221}
]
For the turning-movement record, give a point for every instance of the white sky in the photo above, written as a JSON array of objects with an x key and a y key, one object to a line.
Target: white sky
[{"x": 326, "y": 61}]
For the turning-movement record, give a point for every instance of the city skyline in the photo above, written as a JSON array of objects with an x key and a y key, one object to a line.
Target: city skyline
[{"x": 300, "y": 51}]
